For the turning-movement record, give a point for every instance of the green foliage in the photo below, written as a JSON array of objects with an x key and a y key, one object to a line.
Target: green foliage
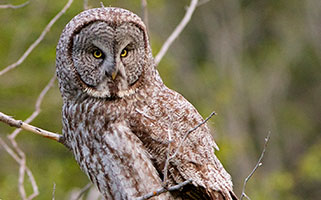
[
  {"x": 311, "y": 164},
  {"x": 256, "y": 63}
]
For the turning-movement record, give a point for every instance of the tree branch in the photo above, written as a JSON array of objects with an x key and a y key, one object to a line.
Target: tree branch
[
  {"x": 162, "y": 190},
  {"x": 14, "y": 6},
  {"x": 177, "y": 31},
  {"x": 40, "y": 38},
  {"x": 258, "y": 164},
  {"x": 53, "y": 191},
  {"x": 20, "y": 124}
]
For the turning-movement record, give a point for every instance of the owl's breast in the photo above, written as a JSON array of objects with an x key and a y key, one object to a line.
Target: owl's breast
[{"x": 107, "y": 151}]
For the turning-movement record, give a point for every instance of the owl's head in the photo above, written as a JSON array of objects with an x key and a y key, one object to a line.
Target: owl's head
[{"x": 103, "y": 52}]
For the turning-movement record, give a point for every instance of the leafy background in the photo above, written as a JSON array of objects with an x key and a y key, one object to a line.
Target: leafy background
[{"x": 256, "y": 63}]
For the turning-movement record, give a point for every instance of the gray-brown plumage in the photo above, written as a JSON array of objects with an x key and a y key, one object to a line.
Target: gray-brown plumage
[{"x": 117, "y": 113}]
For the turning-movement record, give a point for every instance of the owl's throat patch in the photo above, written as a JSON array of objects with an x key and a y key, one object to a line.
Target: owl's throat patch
[{"x": 109, "y": 89}]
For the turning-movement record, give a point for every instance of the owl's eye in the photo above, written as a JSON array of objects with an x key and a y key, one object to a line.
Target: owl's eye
[
  {"x": 98, "y": 54},
  {"x": 124, "y": 53}
]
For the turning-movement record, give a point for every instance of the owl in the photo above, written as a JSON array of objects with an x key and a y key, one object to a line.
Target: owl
[{"x": 118, "y": 115}]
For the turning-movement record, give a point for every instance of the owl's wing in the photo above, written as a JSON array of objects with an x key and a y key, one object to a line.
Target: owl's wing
[{"x": 195, "y": 160}]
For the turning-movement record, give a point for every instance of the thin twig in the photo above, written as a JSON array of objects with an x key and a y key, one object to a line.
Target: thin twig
[
  {"x": 14, "y": 6},
  {"x": 177, "y": 31},
  {"x": 9, "y": 150},
  {"x": 83, "y": 190},
  {"x": 53, "y": 191},
  {"x": 258, "y": 164},
  {"x": 33, "y": 184},
  {"x": 165, "y": 170},
  {"x": 145, "y": 13},
  {"x": 189, "y": 132},
  {"x": 162, "y": 190},
  {"x": 22, "y": 170},
  {"x": 40, "y": 38}
]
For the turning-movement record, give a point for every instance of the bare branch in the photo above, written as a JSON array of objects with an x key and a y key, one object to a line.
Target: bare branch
[
  {"x": 40, "y": 38},
  {"x": 53, "y": 191},
  {"x": 14, "y": 6},
  {"x": 177, "y": 31},
  {"x": 145, "y": 13},
  {"x": 22, "y": 170},
  {"x": 258, "y": 164},
  {"x": 9, "y": 150},
  {"x": 20, "y": 124},
  {"x": 83, "y": 190},
  {"x": 33, "y": 184},
  {"x": 21, "y": 160},
  {"x": 162, "y": 190}
]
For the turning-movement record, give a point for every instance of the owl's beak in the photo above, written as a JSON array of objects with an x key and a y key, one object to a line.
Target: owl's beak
[{"x": 113, "y": 75}]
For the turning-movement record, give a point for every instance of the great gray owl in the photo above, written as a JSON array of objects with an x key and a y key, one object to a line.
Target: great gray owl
[{"x": 117, "y": 113}]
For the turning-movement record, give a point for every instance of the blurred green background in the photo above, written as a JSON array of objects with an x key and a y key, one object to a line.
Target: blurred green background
[{"x": 256, "y": 63}]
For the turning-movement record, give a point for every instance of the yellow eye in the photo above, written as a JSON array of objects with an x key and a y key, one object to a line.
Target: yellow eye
[
  {"x": 97, "y": 54},
  {"x": 123, "y": 53}
]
